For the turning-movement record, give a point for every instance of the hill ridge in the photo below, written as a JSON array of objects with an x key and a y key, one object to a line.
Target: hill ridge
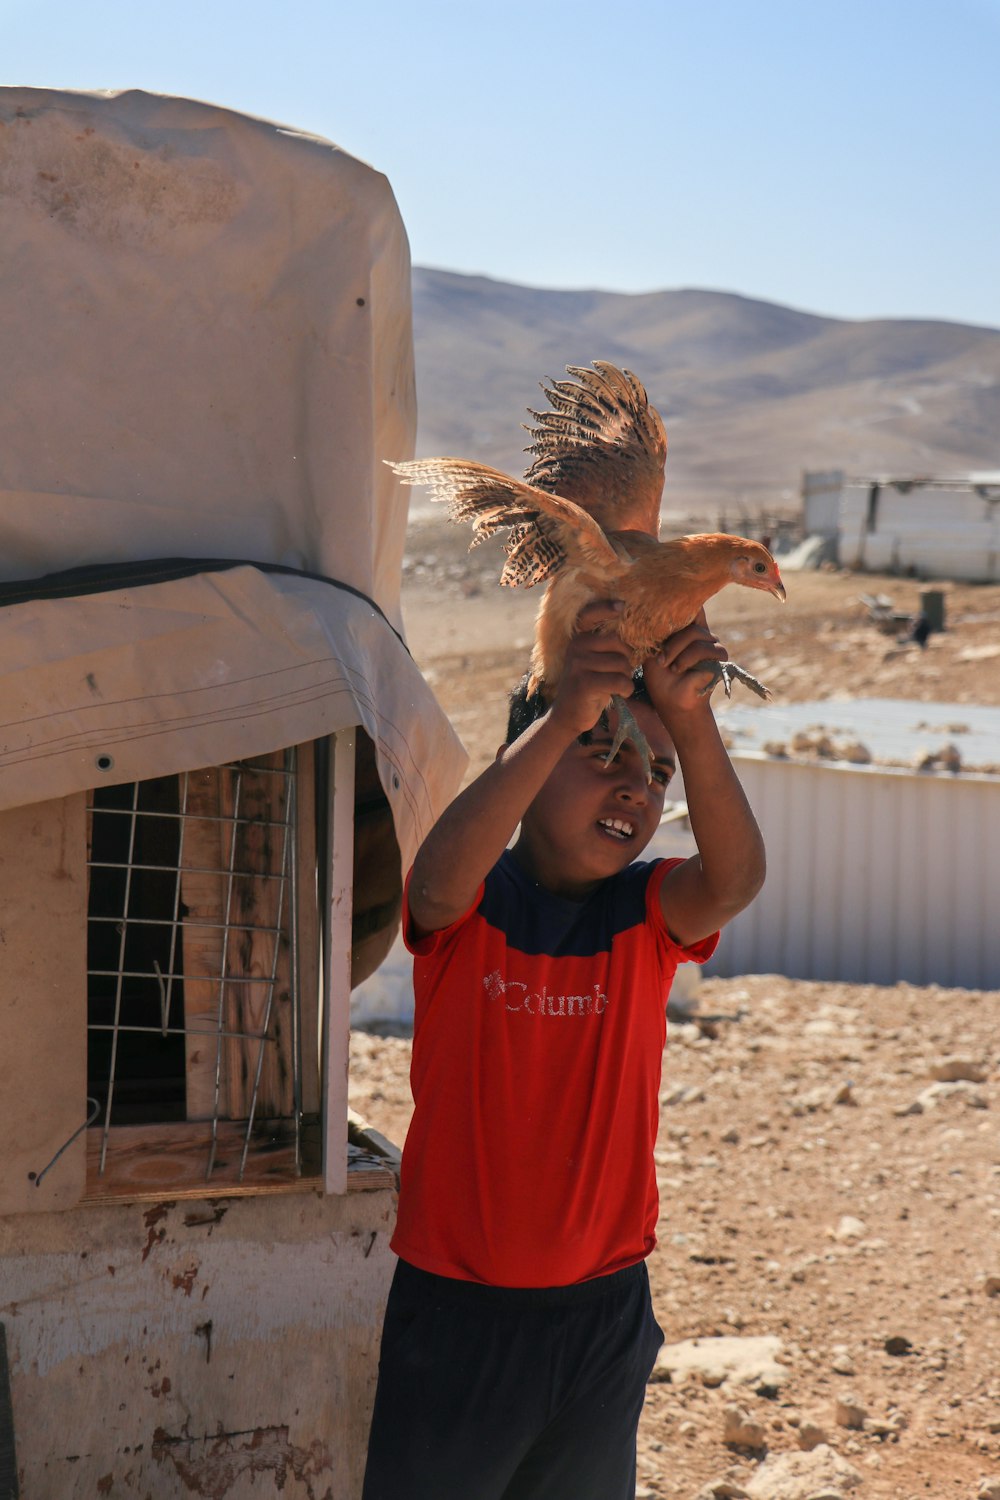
[{"x": 752, "y": 392}]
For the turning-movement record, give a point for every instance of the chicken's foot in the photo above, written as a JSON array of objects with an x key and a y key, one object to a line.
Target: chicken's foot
[
  {"x": 727, "y": 672},
  {"x": 627, "y": 728}
]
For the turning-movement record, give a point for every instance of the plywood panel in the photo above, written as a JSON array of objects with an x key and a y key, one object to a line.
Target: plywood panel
[
  {"x": 43, "y": 1003},
  {"x": 337, "y": 949},
  {"x": 258, "y": 992},
  {"x": 308, "y": 930},
  {"x": 233, "y": 857}
]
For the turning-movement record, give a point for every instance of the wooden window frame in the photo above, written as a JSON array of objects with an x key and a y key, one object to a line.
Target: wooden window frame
[{"x": 169, "y": 1160}]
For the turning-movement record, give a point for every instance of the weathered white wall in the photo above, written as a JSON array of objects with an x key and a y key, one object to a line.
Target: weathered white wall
[
  {"x": 937, "y": 533},
  {"x": 874, "y": 875},
  {"x": 821, "y": 502},
  {"x": 221, "y": 1348}
]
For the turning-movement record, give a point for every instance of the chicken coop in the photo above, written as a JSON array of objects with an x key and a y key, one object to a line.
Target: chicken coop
[{"x": 217, "y": 757}]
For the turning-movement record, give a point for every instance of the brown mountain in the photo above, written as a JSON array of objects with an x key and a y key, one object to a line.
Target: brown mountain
[{"x": 752, "y": 393}]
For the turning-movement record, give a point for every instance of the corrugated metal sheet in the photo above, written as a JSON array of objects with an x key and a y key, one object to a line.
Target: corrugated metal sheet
[{"x": 874, "y": 875}]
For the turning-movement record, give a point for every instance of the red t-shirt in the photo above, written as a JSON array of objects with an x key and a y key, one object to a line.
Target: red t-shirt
[{"x": 538, "y": 1037}]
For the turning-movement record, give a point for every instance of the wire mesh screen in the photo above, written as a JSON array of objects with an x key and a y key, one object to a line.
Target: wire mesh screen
[{"x": 193, "y": 1009}]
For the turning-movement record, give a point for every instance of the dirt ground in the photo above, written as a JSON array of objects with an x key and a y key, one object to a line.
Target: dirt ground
[{"x": 828, "y": 1160}]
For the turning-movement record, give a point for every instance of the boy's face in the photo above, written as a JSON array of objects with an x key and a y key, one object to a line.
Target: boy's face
[{"x": 590, "y": 820}]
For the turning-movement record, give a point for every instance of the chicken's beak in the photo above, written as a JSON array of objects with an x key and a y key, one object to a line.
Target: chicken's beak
[{"x": 778, "y": 590}]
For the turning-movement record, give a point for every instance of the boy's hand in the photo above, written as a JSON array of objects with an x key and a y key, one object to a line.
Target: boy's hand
[
  {"x": 597, "y": 665},
  {"x": 672, "y": 677}
]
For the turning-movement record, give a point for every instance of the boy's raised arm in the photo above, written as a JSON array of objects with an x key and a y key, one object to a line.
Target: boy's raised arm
[
  {"x": 713, "y": 886},
  {"x": 472, "y": 833}
]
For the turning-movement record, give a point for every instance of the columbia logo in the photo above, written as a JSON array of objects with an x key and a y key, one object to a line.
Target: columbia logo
[{"x": 517, "y": 997}]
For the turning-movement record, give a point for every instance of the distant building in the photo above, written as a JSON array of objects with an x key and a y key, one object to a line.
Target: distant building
[{"x": 926, "y": 526}]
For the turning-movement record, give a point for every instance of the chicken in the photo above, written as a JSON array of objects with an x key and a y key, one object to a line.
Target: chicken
[{"x": 586, "y": 517}]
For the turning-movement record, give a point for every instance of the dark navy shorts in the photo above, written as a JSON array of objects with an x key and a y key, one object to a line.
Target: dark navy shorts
[{"x": 509, "y": 1393}]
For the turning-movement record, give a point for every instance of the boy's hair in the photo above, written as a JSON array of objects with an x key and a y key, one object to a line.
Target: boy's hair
[{"x": 524, "y": 708}]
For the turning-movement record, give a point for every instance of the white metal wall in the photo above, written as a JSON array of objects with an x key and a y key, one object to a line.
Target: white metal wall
[
  {"x": 821, "y": 490},
  {"x": 938, "y": 533},
  {"x": 874, "y": 875}
]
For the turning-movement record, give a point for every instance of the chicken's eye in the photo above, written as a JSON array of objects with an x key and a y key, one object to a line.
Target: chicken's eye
[{"x": 760, "y": 567}]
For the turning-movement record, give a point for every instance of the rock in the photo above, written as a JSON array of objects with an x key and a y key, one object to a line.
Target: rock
[
  {"x": 810, "y": 1436},
  {"x": 961, "y": 1092},
  {"x": 844, "y": 1094},
  {"x": 743, "y": 1361},
  {"x": 913, "y": 1108},
  {"x": 989, "y": 1489},
  {"x": 722, "y": 1489},
  {"x": 947, "y": 758},
  {"x": 815, "y": 1099},
  {"x": 958, "y": 1070},
  {"x": 739, "y": 1430},
  {"x": 850, "y": 1413},
  {"x": 896, "y": 1343},
  {"x": 850, "y": 1229},
  {"x": 684, "y": 1094},
  {"x": 842, "y": 1364},
  {"x": 992, "y": 1286},
  {"x": 684, "y": 1033},
  {"x": 803, "y": 1476}
]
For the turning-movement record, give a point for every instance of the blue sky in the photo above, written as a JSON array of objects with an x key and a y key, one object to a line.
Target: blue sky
[{"x": 841, "y": 156}]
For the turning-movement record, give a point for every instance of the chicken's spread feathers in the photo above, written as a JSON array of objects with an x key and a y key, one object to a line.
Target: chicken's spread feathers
[
  {"x": 586, "y": 517},
  {"x": 546, "y": 531},
  {"x": 598, "y": 468},
  {"x": 602, "y": 445}
]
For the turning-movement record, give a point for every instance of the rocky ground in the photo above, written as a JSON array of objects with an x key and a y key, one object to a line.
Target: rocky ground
[{"x": 828, "y": 1160}]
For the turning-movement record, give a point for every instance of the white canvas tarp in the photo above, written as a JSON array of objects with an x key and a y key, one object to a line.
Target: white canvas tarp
[{"x": 205, "y": 354}]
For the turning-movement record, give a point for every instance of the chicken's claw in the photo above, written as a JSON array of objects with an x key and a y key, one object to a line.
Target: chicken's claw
[
  {"x": 627, "y": 728},
  {"x": 727, "y": 672}
]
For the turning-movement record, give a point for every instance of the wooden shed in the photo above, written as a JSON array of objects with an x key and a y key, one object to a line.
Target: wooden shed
[{"x": 217, "y": 757}]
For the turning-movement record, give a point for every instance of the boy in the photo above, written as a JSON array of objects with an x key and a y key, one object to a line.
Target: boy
[{"x": 519, "y": 1334}]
